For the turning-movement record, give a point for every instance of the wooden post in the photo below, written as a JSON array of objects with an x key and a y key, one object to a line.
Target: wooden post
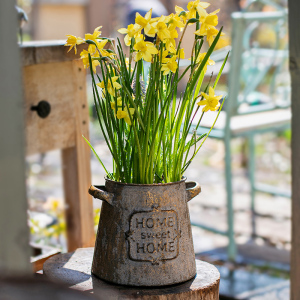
[
  {"x": 53, "y": 75},
  {"x": 77, "y": 171},
  {"x": 14, "y": 234},
  {"x": 294, "y": 37}
]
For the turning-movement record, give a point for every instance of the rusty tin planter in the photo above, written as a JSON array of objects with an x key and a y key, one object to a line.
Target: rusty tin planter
[{"x": 144, "y": 234}]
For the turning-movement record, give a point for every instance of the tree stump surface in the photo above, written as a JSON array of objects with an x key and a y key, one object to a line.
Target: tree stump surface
[
  {"x": 34, "y": 288},
  {"x": 74, "y": 269}
]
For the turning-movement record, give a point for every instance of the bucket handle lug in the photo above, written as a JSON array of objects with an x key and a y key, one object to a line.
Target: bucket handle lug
[
  {"x": 99, "y": 192},
  {"x": 192, "y": 189}
]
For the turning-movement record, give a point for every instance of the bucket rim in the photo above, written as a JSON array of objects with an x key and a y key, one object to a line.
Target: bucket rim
[{"x": 145, "y": 184}]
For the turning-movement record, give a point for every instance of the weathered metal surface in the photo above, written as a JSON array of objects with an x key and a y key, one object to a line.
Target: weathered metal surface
[
  {"x": 74, "y": 269},
  {"x": 144, "y": 234}
]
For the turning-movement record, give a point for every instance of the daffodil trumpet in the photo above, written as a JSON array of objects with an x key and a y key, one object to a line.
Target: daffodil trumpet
[{"x": 145, "y": 121}]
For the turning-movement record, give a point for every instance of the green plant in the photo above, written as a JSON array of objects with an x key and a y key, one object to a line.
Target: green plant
[{"x": 146, "y": 127}]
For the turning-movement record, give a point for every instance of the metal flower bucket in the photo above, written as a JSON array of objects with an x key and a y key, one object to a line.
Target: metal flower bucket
[{"x": 144, "y": 234}]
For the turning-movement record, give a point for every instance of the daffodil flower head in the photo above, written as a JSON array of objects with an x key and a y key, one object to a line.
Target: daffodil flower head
[
  {"x": 170, "y": 42},
  {"x": 93, "y": 36},
  {"x": 111, "y": 85},
  {"x": 211, "y": 101},
  {"x": 145, "y": 50},
  {"x": 171, "y": 47},
  {"x": 139, "y": 37},
  {"x": 72, "y": 41},
  {"x": 174, "y": 21},
  {"x": 207, "y": 21},
  {"x": 113, "y": 103},
  {"x": 211, "y": 33},
  {"x": 143, "y": 21},
  {"x": 84, "y": 55},
  {"x": 181, "y": 53},
  {"x": 196, "y": 7},
  {"x": 183, "y": 14},
  {"x": 99, "y": 45},
  {"x": 131, "y": 31},
  {"x": 200, "y": 58},
  {"x": 124, "y": 114},
  {"x": 150, "y": 29},
  {"x": 165, "y": 56},
  {"x": 170, "y": 65},
  {"x": 162, "y": 31}
]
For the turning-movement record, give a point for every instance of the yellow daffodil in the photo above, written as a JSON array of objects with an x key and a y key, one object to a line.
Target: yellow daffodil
[
  {"x": 170, "y": 46},
  {"x": 207, "y": 21},
  {"x": 123, "y": 114},
  {"x": 143, "y": 21},
  {"x": 163, "y": 56},
  {"x": 209, "y": 62},
  {"x": 145, "y": 50},
  {"x": 211, "y": 101},
  {"x": 111, "y": 85},
  {"x": 72, "y": 41},
  {"x": 84, "y": 55},
  {"x": 150, "y": 30},
  {"x": 113, "y": 103},
  {"x": 170, "y": 65},
  {"x": 170, "y": 42},
  {"x": 196, "y": 7},
  {"x": 183, "y": 16},
  {"x": 181, "y": 53},
  {"x": 93, "y": 36},
  {"x": 139, "y": 37},
  {"x": 162, "y": 31},
  {"x": 100, "y": 45},
  {"x": 174, "y": 21},
  {"x": 130, "y": 31},
  {"x": 211, "y": 33}
]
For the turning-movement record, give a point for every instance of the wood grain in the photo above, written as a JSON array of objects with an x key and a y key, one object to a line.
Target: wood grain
[
  {"x": 37, "y": 288},
  {"x": 61, "y": 81},
  {"x": 42, "y": 52},
  {"x": 77, "y": 171},
  {"x": 38, "y": 262},
  {"x": 53, "y": 83},
  {"x": 74, "y": 270},
  {"x": 294, "y": 46}
]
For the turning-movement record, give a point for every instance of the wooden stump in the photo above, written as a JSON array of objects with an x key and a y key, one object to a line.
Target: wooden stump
[
  {"x": 74, "y": 269},
  {"x": 32, "y": 288}
]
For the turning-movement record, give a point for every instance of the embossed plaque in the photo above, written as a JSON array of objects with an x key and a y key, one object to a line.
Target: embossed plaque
[{"x": 154, "y": 236}]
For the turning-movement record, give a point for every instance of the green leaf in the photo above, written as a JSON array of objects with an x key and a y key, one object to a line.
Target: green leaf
[
  {"x": 92, "y": 148},
  {"x": 193, "y": 142},
  {"x": 221, "y": 70}
]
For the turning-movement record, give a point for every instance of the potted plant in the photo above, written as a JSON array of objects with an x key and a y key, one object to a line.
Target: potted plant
[{"x": 144, "y": 234}]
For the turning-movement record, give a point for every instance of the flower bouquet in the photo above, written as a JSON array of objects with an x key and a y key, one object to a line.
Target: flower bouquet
[{"x": 145, "y": 123}]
